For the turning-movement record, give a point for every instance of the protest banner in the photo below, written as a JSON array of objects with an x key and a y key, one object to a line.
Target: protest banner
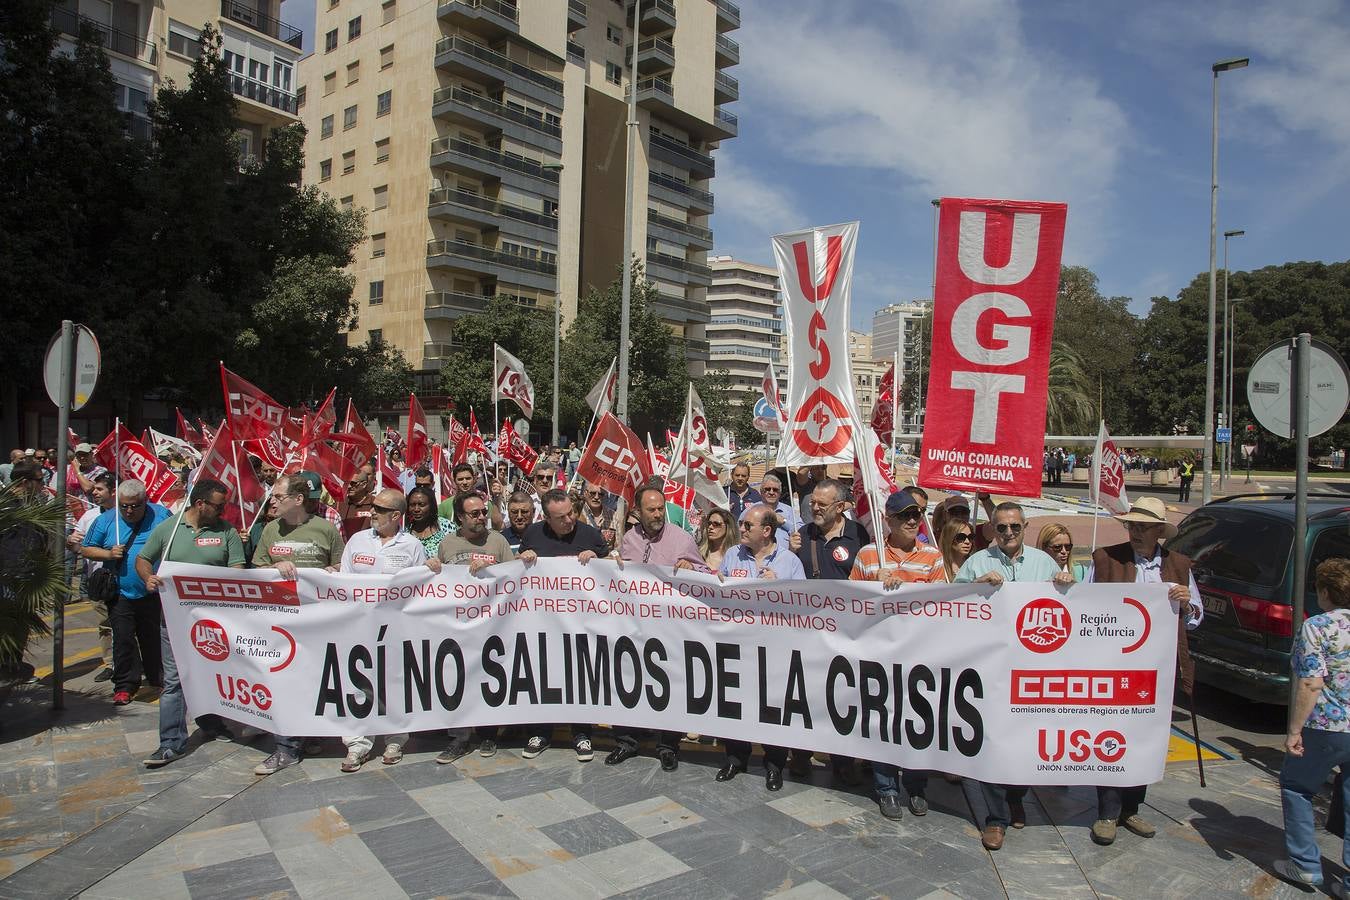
[
  {"x": 126, "y": 457},
  {"x": 1023, "y": 684},
  {"x": 510, "y": 381},
  {"x": 993, "y": 317},
  {"x": 815, "y": 270}
]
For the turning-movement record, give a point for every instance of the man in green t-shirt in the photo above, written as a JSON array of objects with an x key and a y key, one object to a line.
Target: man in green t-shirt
[
  {"x": 196, "y": 535},
  {"x": 295, "y": 539}
]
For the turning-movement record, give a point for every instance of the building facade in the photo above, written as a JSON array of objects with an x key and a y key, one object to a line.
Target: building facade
[
  {"x": 899, "y": 328},
  {"x": 867, "y": 372},
  {"x": 745, "y": 329},
  {"x": 487, "y": 142},
  {"x": 150, "y": 41}
]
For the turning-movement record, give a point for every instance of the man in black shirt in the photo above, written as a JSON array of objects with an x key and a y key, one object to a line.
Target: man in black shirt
[{"x": 560, "y": 534}]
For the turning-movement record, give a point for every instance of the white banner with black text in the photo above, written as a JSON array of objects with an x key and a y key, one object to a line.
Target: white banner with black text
[{"x": 1024, "y": 684}]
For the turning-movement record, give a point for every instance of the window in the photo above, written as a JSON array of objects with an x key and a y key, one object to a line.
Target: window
[
  {"x": 614, "y": 34},
  {"x": 332, "y": 4},
  {"x": 349, "y": 117},
  {"x": 386, "y": 56},
  {"x": 387, "y": 12},
  {"x": 325, "y": 170},
  {"x": 613, "y": 73},
  {"x": 353, "y": 72},
  {"x": 381, "y": 201},
  {"x": 326, "y": 127},
  {"x": 376, "y": 251},
  {"x": 354, "y": 28},
  {"x": 300, "y": 93},
  {"x": 184, "y": 41},
  {"x": 381, "y": 150},
  {"x": 330, "y": 41},
  {"x": 1237, "y": 546},
  {"x": 376, "y": 334},
  {"x": 349, "y": 162},
  {"x": 329, "y": 83},
  {"x": 346, "y": 203},
  {"x": 383, "y": 102},
  {"x": 376, "y": 298}
]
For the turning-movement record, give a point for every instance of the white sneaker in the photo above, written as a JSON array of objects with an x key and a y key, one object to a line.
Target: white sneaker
[
  {"x": 392, "y": 754},
  {"x": 1286, "y": 869},
  {"x": 354, "y": 761},
  {"x": 584, "y": 751}
]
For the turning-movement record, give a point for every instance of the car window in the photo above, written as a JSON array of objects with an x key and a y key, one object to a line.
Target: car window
[
  {"x": 1249, "y": 548},
  {"x": 1330, "y": 543}
]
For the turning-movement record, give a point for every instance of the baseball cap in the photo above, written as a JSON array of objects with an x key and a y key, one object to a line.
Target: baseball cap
[
  {"x": 84, "y": 448},
  {"x": 30, "y": 452},
  {"x": 900, "y": 501},
  {"x": 315, "y": 483},
  {"x": 955, "y": 501}
]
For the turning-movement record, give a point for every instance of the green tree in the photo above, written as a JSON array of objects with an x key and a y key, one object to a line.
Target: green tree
[
  {"x": 525, "y": 333},
  {"x": 1071, "y": 403},
  {"x": 31, "y": 576},
  {"x": 1099, "y": 332}
]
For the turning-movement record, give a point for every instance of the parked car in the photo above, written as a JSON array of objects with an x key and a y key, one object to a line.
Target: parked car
[{"x": 1242, "y": 549}]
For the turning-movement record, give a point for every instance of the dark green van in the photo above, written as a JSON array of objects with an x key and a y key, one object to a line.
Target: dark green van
[{"x": 1241, "y": 549}]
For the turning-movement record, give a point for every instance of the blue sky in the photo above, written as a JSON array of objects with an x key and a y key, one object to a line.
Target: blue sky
[{"x": 868, "y": 109}]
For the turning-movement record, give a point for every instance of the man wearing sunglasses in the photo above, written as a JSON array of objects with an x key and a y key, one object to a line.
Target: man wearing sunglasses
[
  {"x": 1008, "y": 559},
  {"x": 115, "y": 539},
  {"x": 196, "y": 535}
]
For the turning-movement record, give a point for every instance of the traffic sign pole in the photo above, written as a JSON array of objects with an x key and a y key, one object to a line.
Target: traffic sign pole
[{"x": 66, "y": 386}]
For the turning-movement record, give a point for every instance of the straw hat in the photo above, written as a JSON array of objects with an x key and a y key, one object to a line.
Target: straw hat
[{"x": 1150, "y": 511}]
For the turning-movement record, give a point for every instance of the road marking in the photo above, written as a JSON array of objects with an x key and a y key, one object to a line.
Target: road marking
[
  {"x": 72, "y": 609},
  {"x": 92, "y": 652}
]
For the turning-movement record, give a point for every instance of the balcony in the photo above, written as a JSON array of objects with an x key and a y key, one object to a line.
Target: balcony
[
  {"x": 696, "y": 349},
  {"x": 576, "y": 53},
  {"x": 658, "y": 95},
  {"x": 725, "y": 123},
  {"x": 262, "y": 92},
  {"x": 680, "y": 154},
  {"x": 672, "y": 190},
  {"x": 122, "y": 42},
  {"x": 728, "y": 52},
  {"x": 465, "y": 206},
  {"x": 677, "y": 232},
  {"x": 658, "y": 16},
  {"x": 728, "y": 15},
  {"x": 536, "y": 273},
  {"x": 466, "y": 106},
  {"x": 452, "y": 305},
  {"x": 495, "y": 18},
  {"x": 460, "y": 54},
  {"x": 653, "y": 55},
  {"x": 242, "y": 12},
  {"x": 725, "y": 88},
  {"x": 437, "y": 353},
  {"x": 475, "y": 159},
  {"x": 576, "y": 15},
  {"x": 678, "y": 269}
]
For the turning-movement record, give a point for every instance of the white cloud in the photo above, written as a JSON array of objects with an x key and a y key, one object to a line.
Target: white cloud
[
  {"x": 751, "y": 210},
  {"x": 943, "y": 98}
]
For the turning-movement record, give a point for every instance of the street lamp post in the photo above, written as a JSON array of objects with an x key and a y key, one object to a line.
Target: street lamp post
[
  {"x": 1226, "y": 468},
  {"x": 626, "y": 296},
  {"x": 1222, "y": 65},
  {"x": 1229, "y": 350},
  {"x": 557, "y": 334}
]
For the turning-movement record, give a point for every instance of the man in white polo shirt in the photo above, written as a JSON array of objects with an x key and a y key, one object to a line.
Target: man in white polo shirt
[{"x": 383, "y": 548}]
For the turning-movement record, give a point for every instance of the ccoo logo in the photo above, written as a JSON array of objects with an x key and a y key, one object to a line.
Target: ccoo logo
[{"x": 1043, "y": 625}]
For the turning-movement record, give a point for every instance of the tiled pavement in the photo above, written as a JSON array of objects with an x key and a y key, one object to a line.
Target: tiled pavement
[{"x": 80, "y": 815}]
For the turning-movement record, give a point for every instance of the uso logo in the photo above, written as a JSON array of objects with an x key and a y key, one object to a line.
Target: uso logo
[
  {"x": 235, "y": 590},
  {"x": 210, "y": 640},
  {"x": 238, "y": 690},
  {"x": 1043, "y": 625},
  {"x": 1079, "y": 745}
]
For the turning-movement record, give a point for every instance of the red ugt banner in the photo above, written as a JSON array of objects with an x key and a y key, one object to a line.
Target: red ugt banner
[
  {"x": 124, "y": 455},
  {"x": 615, "y": 459},
  {"x": 993, "y": 319}
]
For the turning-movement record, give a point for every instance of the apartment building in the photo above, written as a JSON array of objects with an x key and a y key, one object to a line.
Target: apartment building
[
  {"x": 151, "y": 41},
  {"x": 867, "y": 372},
  {"x": 897, "y": 328},
  {"x": 745, "y": 329},
  {"x": 487, "y": 141}
]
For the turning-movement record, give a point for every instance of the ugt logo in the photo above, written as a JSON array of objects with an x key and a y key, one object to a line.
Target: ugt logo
[
  {"x": 1043, "y": 625},
  {"x": 210, "y": 640}
]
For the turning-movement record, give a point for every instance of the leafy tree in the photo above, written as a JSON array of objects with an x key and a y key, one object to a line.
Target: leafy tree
[
  {"x": 1099, "y": 334},
  {"x": 31, "y": 576},
  {"x": 525, "y": 333},
  {"x": 1071, "y": 403}
]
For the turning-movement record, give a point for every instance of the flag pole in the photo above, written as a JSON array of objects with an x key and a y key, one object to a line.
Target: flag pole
[
  {"x": 239, "y": 483},
  {"x": 117, "y": 477},
  {"x": 895, "y": 408}
]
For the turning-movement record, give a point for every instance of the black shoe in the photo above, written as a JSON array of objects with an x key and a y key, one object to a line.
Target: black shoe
[
  {"x": 621, "y": 753},
  {"x": 730, "y": 770},
  {"x": 890, "y": 806},
  {"x": 161, "y": 757},
  {"x": 918, "y": 804},
  {"x": 105, "y": 675},
  {"x": 773, "y": 777},
  {"x": 669, "y": 761}
]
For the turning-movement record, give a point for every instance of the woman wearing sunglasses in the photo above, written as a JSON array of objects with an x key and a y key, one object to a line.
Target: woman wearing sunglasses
[
  {"x": 1055, "y": 540},
  {"x": 956, "y": 543},
  {"x": 716, "y": 536}
]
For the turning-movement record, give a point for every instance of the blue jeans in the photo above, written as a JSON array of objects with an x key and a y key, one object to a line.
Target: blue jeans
[
  {"x": 173, "y": 733},
  {"x": 1301, "y": 778},
  {"x": 887, "y": 778}
]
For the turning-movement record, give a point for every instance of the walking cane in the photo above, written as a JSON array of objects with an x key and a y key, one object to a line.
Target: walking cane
[{"x": 1195, "y": 731}]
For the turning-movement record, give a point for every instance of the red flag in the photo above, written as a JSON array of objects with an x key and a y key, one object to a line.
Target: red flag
[
  {"x": 208, "y": 435},
  {"x": 676, "y": 493},
  {"x": 474, "y": 441},
  {"x": 148, "y": 442},
  {"x": 442, "y": 478},
  {"x": 455, "y": 442},
  {"x": 883, "y": 418},
  {"x": 417, "y": 434},
  {"x": 386, "y": 476},
  {"x": 998, "y": 268},
  {"x": 334, "y": 469},
  {"x": 1106, "y": 483},
  {"x": 125, "y": 456},
  {"x": 522, "y": 455},
  {"x": 671, "y": 438},
  {"x": 222, "y": 461},
  {"x": 363, "y": 449},
  {"x": 505, "y": 435},
  {"x": 250, "y": 412},
  {"x": 615, "y": 459},
  {"x": 72, "y": 439},
  {"x": 187, "y": 432}
]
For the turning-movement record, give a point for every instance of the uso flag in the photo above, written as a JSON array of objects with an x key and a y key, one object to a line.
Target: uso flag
[
  {"x": 993, "y": 317},
  {"x": 815, "y": 268}
]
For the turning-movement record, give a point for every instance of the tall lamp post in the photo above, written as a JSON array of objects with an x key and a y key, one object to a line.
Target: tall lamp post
[
  {"x": 557, "y": 334},
  {"x": 1230, "y": 403},
  {"x": 626, "y": 295},
  {"x": 1222, "y": 65},
  {"x": 1225, "y": 388}
]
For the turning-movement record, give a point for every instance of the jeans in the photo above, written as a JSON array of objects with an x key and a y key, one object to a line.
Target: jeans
[
  {"x": 996, "y": 797},
  {"x": 1119, "y": 803},
  {"x": 887, "y": 779},
  {"x": 1301, "y": 778},
  {"x": 135, "y": 626},
  {"x": 172, "y": 707}
]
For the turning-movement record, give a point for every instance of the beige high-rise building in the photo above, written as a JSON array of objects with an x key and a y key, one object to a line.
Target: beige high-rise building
[
  {"x": 898, "y": 328},
  {"x": 746, "y": 329},
  {"x": 151, "y": 41},
  {"x": 867, "y": 372},
  {"x": 486, "y": 139}
]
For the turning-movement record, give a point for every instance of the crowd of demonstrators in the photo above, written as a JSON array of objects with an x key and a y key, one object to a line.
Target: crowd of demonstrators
[{"x": 1056, "y": 463}]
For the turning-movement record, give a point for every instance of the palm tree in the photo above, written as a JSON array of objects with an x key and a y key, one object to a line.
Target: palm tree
[
  {"x": 31, "y": 575},
  {"x": 1070, "y": 407}
]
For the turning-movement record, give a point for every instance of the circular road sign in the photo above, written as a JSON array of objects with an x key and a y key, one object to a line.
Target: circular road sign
[
  {"x": 1270, "y": 381},
  {"x": 87, "y": 361}
]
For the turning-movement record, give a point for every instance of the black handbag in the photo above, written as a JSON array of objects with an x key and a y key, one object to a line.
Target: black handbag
[{"x": 103, "y": 584}]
